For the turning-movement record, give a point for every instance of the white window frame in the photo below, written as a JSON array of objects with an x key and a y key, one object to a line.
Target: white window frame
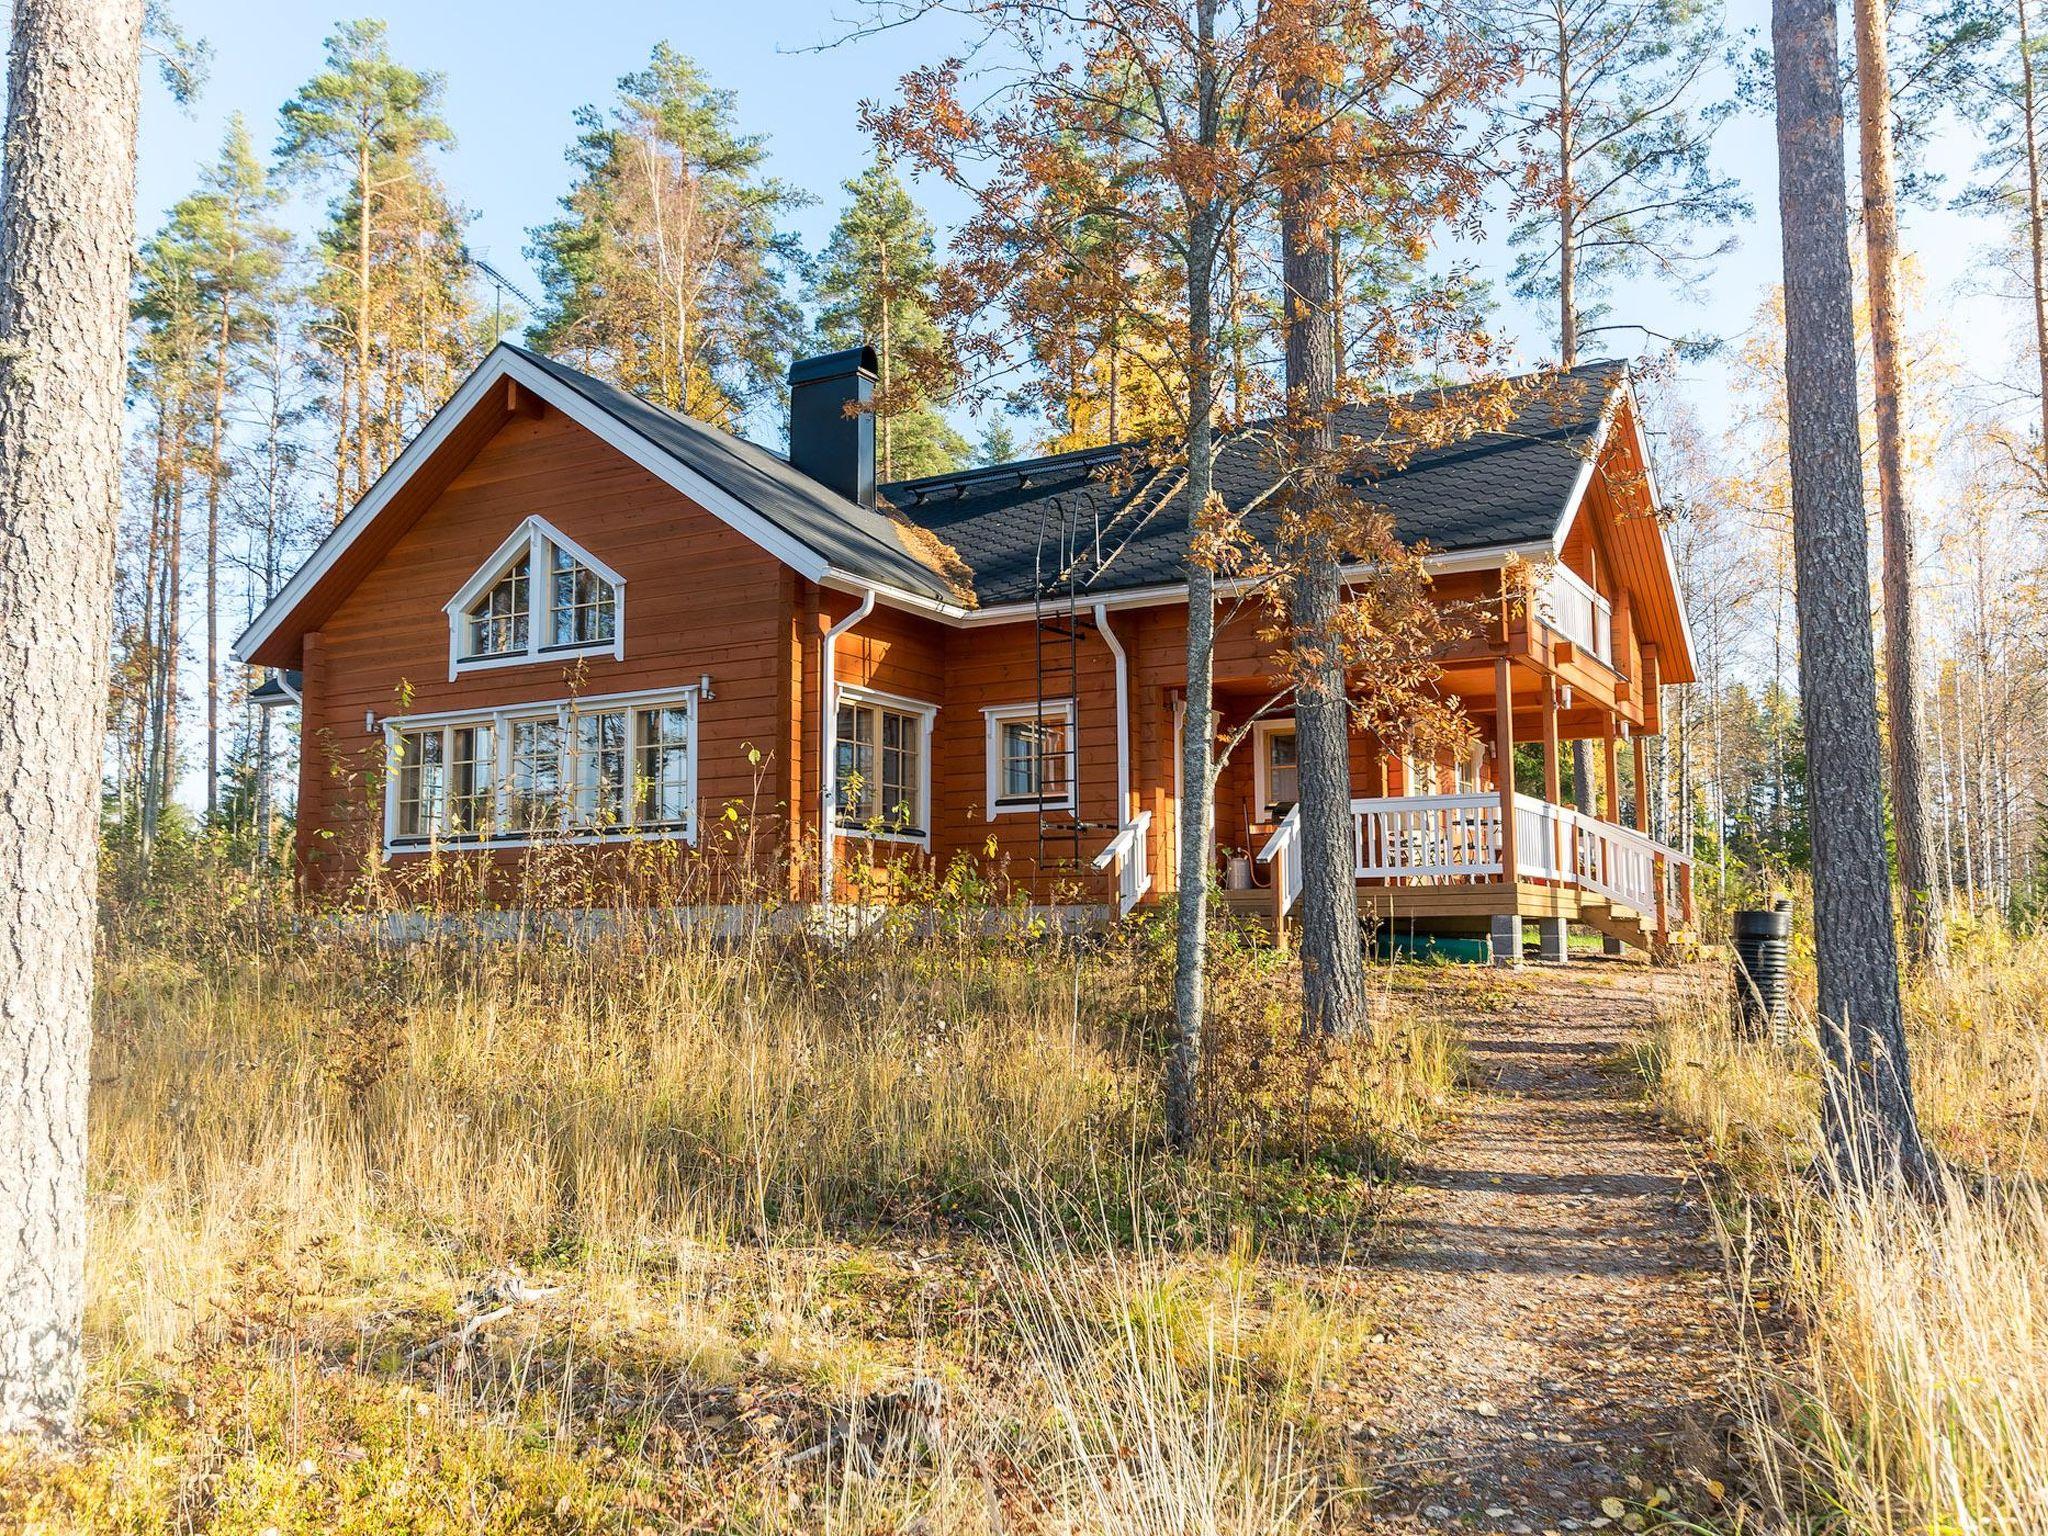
[
  {"x": 535, "y": 538},
  {"x": 926, "y": 713},
  {"x": 566, "y": 713},
  {"x": 995, "y": 717},
  {"x": 1262, "y": 732}
]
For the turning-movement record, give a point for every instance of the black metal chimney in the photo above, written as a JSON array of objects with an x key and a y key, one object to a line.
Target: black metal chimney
[{"x": 831, "y": 428}]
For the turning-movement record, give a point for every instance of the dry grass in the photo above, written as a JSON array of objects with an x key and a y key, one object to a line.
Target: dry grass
[
  {"x": 765, "y": 1183},
  {"x": 1897, "y": 1376}
]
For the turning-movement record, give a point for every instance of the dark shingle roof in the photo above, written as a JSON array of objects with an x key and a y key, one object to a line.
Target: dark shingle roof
[
  {"x": 1495, "y": 488},
  {"x": 849, "y": 536}
]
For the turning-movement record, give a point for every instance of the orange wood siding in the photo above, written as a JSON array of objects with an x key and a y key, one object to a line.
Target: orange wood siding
[{"x": 699, "y": 599}]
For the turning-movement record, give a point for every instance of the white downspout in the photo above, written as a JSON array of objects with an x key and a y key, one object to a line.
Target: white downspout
[
  {"x": 828, "y": 756},
  {"x": 1123, "y": 714}
]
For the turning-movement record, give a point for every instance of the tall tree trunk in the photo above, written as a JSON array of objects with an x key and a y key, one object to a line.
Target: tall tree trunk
[
  {"x": 67, "y": 226},
  {"x": 1902, "y": 668},
  {"x": 1198, "y": 805},
  {"x": 364, "y": 189},
  {"x": 215, "y": 456},
  {"x": 1332, "y": 968},
  {"x": 1872, "y": 1131},
  {"x": 2037, "y": 222},
  {"x": 1567, "y": 229}
]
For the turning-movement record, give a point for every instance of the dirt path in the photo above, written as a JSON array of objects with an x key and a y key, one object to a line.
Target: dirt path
[{"x": 1558, "y": 1299}]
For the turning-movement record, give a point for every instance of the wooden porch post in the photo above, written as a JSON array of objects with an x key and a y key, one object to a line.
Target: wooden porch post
[
  {"x": 1642, "y": 758},
  {"x": 1613, "y": 766},
  {"x": 1504, "y": 764},
  {"x": 1553, "y": 776}
]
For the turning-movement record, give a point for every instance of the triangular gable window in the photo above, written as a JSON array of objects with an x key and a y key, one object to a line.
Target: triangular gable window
[{"x": 503, "y": 616}]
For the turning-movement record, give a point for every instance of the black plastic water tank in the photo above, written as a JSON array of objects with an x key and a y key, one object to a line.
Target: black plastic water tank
[{"x": 1762, "y": 954}]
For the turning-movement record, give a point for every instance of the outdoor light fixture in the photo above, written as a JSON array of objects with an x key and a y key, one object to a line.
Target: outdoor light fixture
[{"x": 704, "y": 686}]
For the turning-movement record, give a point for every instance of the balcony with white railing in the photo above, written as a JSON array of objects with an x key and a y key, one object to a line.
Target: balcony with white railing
[{"x": 1572, "y": 610}]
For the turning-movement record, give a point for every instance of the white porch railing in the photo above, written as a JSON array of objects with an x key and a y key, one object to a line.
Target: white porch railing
[
  {"x": 1618, "y": 863},
  {"x": 1436, "y": 837},
  {"x": 1578, "y": 613},
  {"x": 1283, "y": 852},
  {"x": 1130, "y": 852},
  {"x": 1450, "y": 839}
]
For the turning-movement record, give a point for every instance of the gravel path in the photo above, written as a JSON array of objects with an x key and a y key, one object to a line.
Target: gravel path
[{"x": 1559, "y": 1310}]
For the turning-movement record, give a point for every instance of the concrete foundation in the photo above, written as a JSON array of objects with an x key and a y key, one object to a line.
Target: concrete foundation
[
  {"x": 1507, "y": 939},
  {"x": 1610, "y": 945},
  {"x": 1550, "y": 939}
]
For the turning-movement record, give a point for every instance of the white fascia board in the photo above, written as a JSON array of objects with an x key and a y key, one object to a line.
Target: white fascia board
[{"x": 1491, "y": 557}]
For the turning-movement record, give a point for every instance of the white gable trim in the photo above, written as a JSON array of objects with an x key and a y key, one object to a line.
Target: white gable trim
[{"x": 500, "y": 365}]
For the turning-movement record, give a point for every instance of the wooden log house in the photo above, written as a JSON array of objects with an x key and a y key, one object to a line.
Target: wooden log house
[{"x": 565, "y": 616}]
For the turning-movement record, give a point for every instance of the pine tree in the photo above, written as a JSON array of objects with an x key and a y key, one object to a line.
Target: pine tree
[
  {"x": 998, "y": 444},
  {"x": 395, "y": 316},
  {"x": 67, "y": 230},
  {"x": 665, "y": 272},
  {"x": 237, "y": 258},
  {"x": 876, "y": 284}
]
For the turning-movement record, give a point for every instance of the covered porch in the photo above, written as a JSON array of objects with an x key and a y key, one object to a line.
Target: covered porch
[{"x": 1459, "y": 848}]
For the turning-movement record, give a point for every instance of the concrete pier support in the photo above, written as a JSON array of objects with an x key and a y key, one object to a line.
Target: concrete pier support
[
  {"x": 1550, "y": 939},
  {"x": 1507, "y": 939}
]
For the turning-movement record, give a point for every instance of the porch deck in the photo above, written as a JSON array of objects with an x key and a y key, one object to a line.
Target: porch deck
[{"x": 1445, "y": 859}]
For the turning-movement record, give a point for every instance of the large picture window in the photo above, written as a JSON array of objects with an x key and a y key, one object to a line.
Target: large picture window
[
  {"x": 612, "y": 767},
  {"x": 539, "y": 596},
  {"x": 881, "y": 765},
  {"x": 1030, "y": 757}
]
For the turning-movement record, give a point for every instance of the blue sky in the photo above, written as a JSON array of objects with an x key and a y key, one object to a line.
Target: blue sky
[{"x": 516, "y": 70}]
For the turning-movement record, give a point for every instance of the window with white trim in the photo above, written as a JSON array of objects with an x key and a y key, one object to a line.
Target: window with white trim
[
  {"x": 539, "y": 596},
  {"x": 881, "y": 767},
  {"x": 1031, "y": 756},
  {"x": 1276, "y": 769},
  {"x": 618, "y": 766}
]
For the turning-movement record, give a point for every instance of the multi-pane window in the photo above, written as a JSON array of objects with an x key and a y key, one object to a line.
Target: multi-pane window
[
  {"x": 419, "y": 782},
  {"x": 879, "y": 768},
  {"x": 534, "y": 784},
  {"x": 472, "y": 779},
  {"x": 1279, "y": 772},
  {"x": 1031, "y": 757},
  {"x": 601, "y": 768},
  {"x": 539, "y": 595},
  {"x": 594, "y": 767},
  {"x": 584, "y": 610},
  {"x": 662, "y": 782},
  {"x": 498, "y": 620}
]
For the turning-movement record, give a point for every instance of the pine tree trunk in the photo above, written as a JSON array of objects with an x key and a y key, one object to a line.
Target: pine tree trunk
[
  {"x": 1902, "y": 666},
  {"x": 2037, "y": 222},
  {"x": 67, "y": 226},
  {"x": 1868, "y": 1112},
  {"x": 1332, "y": 968},
  {"x": 363, "y": 192},
  {"x": 1198, "y": 805}
]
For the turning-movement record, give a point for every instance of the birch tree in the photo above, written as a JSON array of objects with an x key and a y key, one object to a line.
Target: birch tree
[
  {"x": 67, "y": 227},
  {"x": 666, "y": 271}
]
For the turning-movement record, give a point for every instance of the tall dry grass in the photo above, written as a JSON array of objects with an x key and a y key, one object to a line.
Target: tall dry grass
[
  {"x": 1896, "y": 1370},
  {"x": 743, "y": 1157}
]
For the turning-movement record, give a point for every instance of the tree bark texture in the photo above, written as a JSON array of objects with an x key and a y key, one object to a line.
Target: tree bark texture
[
  {"x": 1197, "y": 810},
  {"x": 67, "y": 228},
  {"x": 2037, "y": 221},
  {"x": 1332, "y": 968},
  {"x": 1911, "y": 819},
  {"x": 1868, "y": 1106}
]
